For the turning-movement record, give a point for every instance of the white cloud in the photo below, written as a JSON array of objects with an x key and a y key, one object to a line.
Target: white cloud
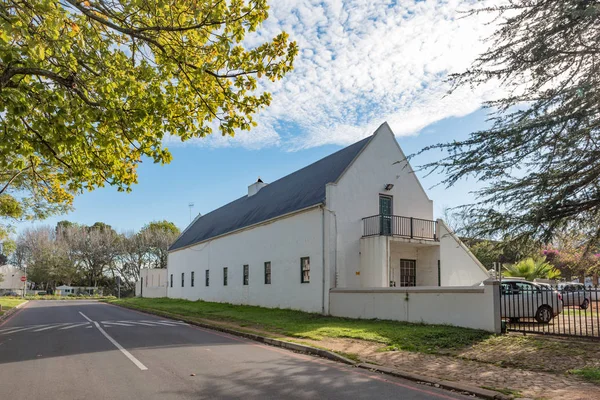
[{"x": 362, "y": 62}]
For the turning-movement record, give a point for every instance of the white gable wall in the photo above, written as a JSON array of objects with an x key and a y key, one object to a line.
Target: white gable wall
[
  {"x": 282, "y": 242},
  {"x": 11, "y": 278},
  {"x": 356, "y": 195},
  {"x": 458, "y": 266}
]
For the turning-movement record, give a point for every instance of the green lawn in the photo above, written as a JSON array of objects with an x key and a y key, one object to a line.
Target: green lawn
[
  {"x": 9, "y": 302},
  {"x": 395, "y": 335},
  {"x": 579, "y": 313},
  {"x": 590, "y": 374}
]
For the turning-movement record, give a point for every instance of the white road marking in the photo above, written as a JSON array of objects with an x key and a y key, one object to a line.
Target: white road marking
[
  {"x": 117, "y": 345},
  {"x": 73, "y": 326},
  {"x": 41, "y": 328},
  {"x": 107, "y": 324},
  {"x": 165, "y": 323},
  {"x": 139, "y": 323},
  {"x": 22, "y": 329},
  {"x": 19, "y": 327},
  {"x": 50, "y": 327},
  {"x": 85, "y": 316}
]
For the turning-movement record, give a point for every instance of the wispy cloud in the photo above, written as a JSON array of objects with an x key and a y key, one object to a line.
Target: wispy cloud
[{"x": 362, "y": 62}]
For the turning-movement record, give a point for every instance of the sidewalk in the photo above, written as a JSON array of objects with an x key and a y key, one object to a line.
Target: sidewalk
[{"x": 515, "y": 381}]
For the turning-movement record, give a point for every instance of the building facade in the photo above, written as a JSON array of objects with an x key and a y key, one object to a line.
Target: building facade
[
  {"x": 10, "y": 280},
  {"x": 358, "y": 218}
]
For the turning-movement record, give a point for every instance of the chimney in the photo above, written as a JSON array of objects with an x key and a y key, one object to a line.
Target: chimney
[{"x": 255, "y": 187}]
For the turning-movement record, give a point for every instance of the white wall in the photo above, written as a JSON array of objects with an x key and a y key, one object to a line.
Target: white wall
[
  {"x": 470, "y": 307},
  {"x": 458, "y": 265},
  {"x": 11, "y": 278},
  {"x": 374, "y": 253},
  {"x": 153, "y": 283},
  {"x": 282, "y": 242},
  {"x": 356, "y": 196},
  {"x": 426, "y": 257}
]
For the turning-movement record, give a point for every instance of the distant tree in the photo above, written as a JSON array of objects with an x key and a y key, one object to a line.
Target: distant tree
[
  {"x": 570, "y": 254},
  {"x": 134, "y": 254},
  {"x": 531, "y": 268},
  {"x": 96, "y": 249},
  {"x": 540, "y": 158},
  {"x": 487, "y": 253},
  {"x": 160, "y": 235},
  {"x": 90, "y": 88}
]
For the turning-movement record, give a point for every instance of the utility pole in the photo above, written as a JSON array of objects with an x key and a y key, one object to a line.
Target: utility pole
[{"x": 191, "y": 205}]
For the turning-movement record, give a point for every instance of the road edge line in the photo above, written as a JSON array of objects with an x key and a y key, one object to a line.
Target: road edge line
[
  {"x": 301, "y": 348},
  {"x": 123, "y": 350}
]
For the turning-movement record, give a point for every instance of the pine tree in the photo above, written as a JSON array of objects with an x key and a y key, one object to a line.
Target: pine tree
[{"x": 539, "y": 160}]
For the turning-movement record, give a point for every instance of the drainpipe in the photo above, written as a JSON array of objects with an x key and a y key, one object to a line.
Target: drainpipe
[
  {"x": 323, "y": 260},
  {"x": 335, "y": 276}
]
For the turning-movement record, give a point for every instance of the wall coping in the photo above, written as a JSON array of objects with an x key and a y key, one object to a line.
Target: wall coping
[{"x": 414, "y": 289}]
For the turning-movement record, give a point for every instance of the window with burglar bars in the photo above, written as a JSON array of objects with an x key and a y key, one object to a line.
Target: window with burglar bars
[
  {"x": 207, "y": 281},
  {"x": 171, "y": 280},
  {"x": 268, "y": 273},
  {"x": 192, "y": 279},
  {"x": 182, "y": 278},
  {"x": 246, "y": 273},
  {"x": 305, "y": 270},
  {"x": 408, "y": 273},
  {"x": 224, "y": 276}
]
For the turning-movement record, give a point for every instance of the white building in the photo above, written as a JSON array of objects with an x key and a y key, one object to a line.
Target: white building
[
  {"x": 152, "y": 283},
  {"x": 10, "y": 279},
  {"x": 356, "y": 219},
  {"x": 66, "y": 290}
]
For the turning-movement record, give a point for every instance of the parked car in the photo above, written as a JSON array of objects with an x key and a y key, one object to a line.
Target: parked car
[
  {"x": 10, "y": 294},
  {"x": 523, "y": 299},
  {"x": 574, "y": 294}
]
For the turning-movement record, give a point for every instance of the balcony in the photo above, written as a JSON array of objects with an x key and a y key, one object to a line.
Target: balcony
[{"x": 395, "y": 225}]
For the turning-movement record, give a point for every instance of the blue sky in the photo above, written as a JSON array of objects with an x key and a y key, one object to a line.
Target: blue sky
[
  {"x": 211, "y": 177},
  {"x": 360, "y": 63}
]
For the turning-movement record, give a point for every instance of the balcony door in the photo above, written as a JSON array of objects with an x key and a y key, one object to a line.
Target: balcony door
[{"x": 385, "y": 214}]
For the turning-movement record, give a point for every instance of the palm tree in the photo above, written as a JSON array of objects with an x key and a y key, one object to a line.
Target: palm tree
[{"x": 532, "y": 268}]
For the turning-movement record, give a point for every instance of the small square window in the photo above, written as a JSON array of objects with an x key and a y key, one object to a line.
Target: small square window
[
  {"x": 192, "y": 280},
  {"x": 268, "y": 273},
  {"x": 171, "y": 283},
  {"x": 207, "y": 282},
  {"x": 305, "y": 269},
  {"x": 224, "y": 276},
  {"x": 246, "y": 274},
  {"x": 182, "y": 279}
]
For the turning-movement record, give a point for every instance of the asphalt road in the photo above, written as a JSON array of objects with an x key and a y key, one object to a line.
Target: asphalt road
[{"x": 88, "y": 350}]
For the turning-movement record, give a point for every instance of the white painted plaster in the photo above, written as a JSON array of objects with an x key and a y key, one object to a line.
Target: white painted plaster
[
  {"x": 470, "y": 307},
  {"x": 282, "y": 242}
]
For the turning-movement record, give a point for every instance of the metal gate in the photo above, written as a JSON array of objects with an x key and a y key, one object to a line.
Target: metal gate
[{"x": 566, "y": 309}]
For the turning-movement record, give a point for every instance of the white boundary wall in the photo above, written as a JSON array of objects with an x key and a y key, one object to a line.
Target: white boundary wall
[
  {"x": 474, "y": 307},
  {"x": 154, "y": 281}
]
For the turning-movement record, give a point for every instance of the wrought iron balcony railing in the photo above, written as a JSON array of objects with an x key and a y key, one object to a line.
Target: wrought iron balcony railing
[{"x": 395, "y": 225}]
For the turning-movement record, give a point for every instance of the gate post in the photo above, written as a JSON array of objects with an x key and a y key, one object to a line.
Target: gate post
[{"x": 492, "y": 289}]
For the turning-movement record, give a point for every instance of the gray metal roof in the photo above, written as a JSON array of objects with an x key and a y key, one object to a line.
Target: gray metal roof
[{"x": 296, "y": 191}]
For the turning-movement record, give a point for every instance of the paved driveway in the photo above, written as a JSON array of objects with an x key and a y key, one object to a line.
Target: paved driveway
[{"x": 90, "y": 350}]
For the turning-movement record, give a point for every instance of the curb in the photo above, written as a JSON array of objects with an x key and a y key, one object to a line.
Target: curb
[
  {"x": 301, "y": 348},
  {"x": 456, "y": 386},
  {"x": 10, "y": 312}
]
